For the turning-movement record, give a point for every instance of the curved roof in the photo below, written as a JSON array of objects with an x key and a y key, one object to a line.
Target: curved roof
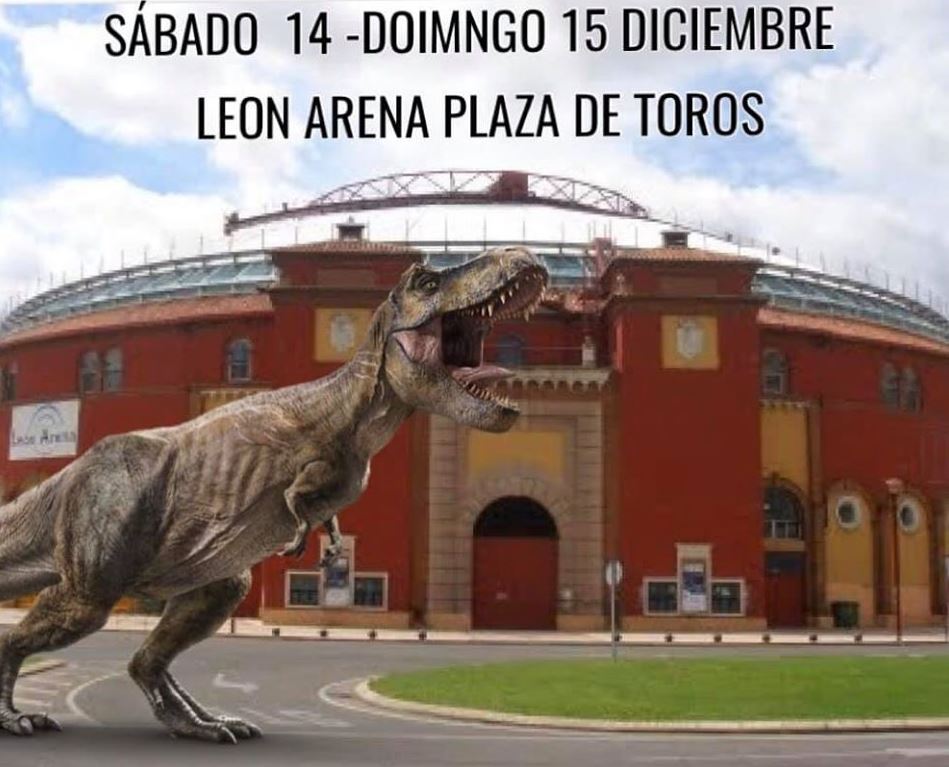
[
  {"x": 452, "y": 216},
  {"x": 570, "y": 265},
  {"x": 214, "y": 275}
]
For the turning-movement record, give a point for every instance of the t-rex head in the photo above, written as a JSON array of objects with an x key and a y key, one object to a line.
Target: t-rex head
[{"x": 434, "y": 348}]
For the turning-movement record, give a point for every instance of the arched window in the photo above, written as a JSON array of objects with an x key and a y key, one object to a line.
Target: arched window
[
  {"x": 783, "y": 514},
  {"x": 515, "y": 516},
  {"x": 112, "y": 380},
  {"x": 774, "y": 373},
  {"x": 239, "y": 360},
  {"x": 889, "y": 385},
  {"x": 9, "y": 382},
  {"x": 511, "y": 351},
  {"x": 910, "y": 396},
  {"x": 90, "y": 373}
]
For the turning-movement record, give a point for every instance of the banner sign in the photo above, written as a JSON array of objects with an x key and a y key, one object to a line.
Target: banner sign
[
  {"x": 694, "y": 588},
  {"x": 337, "y": 581},
  {"x": 44, "y": 430}
]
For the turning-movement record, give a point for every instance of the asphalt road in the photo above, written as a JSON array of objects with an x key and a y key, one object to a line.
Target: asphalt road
[{"x": 299, "y": 693}]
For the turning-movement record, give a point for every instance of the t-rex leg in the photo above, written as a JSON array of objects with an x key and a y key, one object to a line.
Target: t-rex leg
[
  {"x": 188, "y": 619},
  {"x": 59, "y": 618}
]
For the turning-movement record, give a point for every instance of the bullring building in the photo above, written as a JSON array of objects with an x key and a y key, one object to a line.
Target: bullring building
[{"x": 759, "y": 444}]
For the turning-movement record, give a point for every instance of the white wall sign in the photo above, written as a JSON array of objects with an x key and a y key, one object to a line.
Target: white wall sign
[
  {"x": 44, "y": 430},
  {"x": 338, "y": 577},
  {"x": 694, "y": 588}
]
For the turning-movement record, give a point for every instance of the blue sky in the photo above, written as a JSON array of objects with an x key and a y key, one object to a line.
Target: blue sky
[{"x": 853, "y": 136}]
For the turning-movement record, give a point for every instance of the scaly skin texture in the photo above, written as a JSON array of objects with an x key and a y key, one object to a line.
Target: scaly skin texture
[{"x": 182, "y": 513}]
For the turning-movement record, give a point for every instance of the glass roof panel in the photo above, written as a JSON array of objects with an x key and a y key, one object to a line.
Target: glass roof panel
[{"x": 568, "y": 265}]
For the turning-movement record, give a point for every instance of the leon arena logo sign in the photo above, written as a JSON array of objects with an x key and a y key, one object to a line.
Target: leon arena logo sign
[{"x": 44, "y": 430}]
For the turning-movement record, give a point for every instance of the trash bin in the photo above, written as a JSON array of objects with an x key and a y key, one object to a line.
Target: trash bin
[{"x": 846, "y": 614}]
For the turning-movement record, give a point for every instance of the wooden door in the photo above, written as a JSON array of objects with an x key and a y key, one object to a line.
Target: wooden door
[
  {"x": 784, "y": 587},
  {"x": 515, "y": 583}
]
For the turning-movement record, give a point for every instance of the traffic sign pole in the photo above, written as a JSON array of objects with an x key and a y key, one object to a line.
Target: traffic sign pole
[
  {"x": 613, "y": 575},
  {"x": 613, "y": 619}
]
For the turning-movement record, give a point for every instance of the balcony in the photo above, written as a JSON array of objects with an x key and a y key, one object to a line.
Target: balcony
[{"x": 570, "y": 368}]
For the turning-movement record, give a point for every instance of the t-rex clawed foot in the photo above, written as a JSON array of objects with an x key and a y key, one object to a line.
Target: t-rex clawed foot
[
  {"x": 242, "y": 729},
  {"x": 332, "y": 552},
  {"x": 18, "y": 723},
  {"x": 185, "y": 719},
  {"x": 298, "y": 545},
  {"x": 58, "y": 618}
]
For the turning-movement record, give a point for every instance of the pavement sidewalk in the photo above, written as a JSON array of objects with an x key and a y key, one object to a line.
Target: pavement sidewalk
[{"x": 252, "y": 627}]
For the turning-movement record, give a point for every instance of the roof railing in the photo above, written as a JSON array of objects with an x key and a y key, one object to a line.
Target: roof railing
[{"x": 840, "y": 296}]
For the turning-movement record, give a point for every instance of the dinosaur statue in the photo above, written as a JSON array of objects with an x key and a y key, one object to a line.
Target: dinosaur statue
[{"x": 182, "y": 513}]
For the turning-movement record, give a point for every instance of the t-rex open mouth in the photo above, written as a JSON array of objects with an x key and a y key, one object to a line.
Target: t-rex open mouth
[{"x": 455, "y": 339}]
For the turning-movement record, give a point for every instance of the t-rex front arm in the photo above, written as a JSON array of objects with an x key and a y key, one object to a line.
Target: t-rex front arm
[
  {"x": 307, "y": 486},
  {"x": 314, "y": 482}
]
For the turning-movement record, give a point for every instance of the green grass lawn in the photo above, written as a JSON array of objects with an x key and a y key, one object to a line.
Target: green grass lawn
[{"x": 705, "y": 688}]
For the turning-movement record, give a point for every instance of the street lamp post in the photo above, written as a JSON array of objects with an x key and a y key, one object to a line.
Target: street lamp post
[{"x": 895, "y": 489}]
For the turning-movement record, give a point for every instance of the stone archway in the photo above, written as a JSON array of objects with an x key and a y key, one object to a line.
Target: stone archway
[{"x": 568, "y": 432}]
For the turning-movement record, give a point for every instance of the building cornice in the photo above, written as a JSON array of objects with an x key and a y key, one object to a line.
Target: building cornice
[{"x": 567, "y": 377}]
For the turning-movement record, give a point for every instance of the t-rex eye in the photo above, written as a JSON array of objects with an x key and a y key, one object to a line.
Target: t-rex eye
[{"x": 427, "y": 283}]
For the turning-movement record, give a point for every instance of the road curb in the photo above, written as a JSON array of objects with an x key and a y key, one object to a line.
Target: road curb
[
  {"x": 369, "y": 696},
  {"x": 137, "y": 624},
  {"x": 41, "y": 666}
]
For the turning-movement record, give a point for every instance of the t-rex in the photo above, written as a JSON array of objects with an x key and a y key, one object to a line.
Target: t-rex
[{"x": 181, "y": 513}]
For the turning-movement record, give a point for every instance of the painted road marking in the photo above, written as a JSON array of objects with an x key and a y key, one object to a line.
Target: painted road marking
[
  {"x": 34, "y": 680},
  {"x": 77, "y": 691},
  {"x": 914, "y": 753},
  {"x": 20, "y": 701},
  {"x": 295, "y": 717},
  {"x": 245, "y": 687},
  {"x": 33, "y": 689},
  {"x": 309, "y": 723}
]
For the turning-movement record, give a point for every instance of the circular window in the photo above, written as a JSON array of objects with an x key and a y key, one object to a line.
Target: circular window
[
  {"x": 848, "y": 513},
  {"x": 909, "y": 517}
]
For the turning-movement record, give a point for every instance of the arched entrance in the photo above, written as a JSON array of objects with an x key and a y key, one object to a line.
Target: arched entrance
[
  {"x": 784, "y": 562},
  {"x": 515, "y": 566}
]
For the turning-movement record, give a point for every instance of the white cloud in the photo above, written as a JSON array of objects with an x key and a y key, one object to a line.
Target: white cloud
[
  {"x": 80, "y": 225},
  {"x": 879, "y": 125},
  {"x": 14, "y": 110},
  {"x": 883, "y": 122},
  {"x": 132, "y": 100},
  {"x": 873, "y": 120},
  {"x": 6, "y": 28}
]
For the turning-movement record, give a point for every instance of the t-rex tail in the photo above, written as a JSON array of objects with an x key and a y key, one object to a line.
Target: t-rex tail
[{"x": 26, "y": 541}]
